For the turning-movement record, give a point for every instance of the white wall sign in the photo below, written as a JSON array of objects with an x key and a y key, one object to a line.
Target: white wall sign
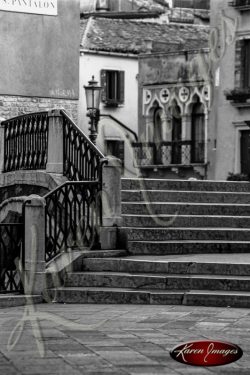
[{"x": 46, "y": 7}]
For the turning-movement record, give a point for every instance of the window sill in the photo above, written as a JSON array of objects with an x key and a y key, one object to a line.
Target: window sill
[
  {"x": 113, "y": 105},
  {"x": 171, "y": 166}
]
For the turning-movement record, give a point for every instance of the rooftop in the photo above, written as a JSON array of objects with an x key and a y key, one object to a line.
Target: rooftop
[{"x": 130, "y": 36}]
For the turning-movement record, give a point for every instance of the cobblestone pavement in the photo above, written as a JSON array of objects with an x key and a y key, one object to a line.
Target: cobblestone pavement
[{"x": 115, "y": 339}]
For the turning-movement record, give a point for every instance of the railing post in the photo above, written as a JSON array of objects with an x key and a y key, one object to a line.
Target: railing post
[
  {"x": 55, "y": 142},
  {"x": 34, "y": 244},
  {"x": 111, "y": 203},
  {"x": 1, "y": 145}
]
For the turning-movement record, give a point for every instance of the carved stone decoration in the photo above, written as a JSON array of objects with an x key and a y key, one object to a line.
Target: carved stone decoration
[
  {"x": 184, "y": 94},
  {"x": 147, "y": 96},
  {"x": 206, "y": 92},
  {"x": 164, "y": 95}
]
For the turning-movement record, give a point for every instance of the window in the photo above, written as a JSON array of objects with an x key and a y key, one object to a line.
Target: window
[
  {"x": 242, "y": 64},
  {"x": 198, "y": 134},
  {"x": 112, "y": 82},
  {"x": 116, "y": 148},
  {"x": 247, "y": 64}
]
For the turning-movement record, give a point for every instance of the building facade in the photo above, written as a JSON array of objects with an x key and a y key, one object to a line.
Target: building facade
[
  {"x": 38, "y": 71},
  {"x": 174, "y": 92},
  {"x": 230, "y": 115}
]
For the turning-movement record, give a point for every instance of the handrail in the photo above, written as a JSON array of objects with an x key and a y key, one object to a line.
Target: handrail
[
  {"x": 81, "y": 158},
  {"x": 26, "y": 141},
  {"x": 121, "y": 124},
  {"x": 72, "y": 217},
  {"x": 93, "y": 147},
  {"x": 11, "y": 247},
  {"x": 70, "y": 183},
  {"x": 20, "y": 117}
]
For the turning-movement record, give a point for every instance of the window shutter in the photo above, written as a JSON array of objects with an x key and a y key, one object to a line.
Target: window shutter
[
  {"x": 247, "y": 64},
  {"x": 239, "y": 63},
  {"x": 104, "y": 85},
  {"x": 121, "y": 152},
  {"x": 121, "y": 87}
]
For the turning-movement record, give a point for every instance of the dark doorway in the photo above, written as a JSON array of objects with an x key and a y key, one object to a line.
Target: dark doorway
[
  {"x": 245, "y": 151},
  {"x": 176, "y": 136},
  {"x": 198, "y": 134}
]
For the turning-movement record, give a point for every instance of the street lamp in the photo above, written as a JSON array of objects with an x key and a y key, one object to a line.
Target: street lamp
[{"x": 93, "y": 96}]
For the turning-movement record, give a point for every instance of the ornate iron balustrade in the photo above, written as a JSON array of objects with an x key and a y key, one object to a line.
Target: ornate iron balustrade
[
  {"x": 26, "y": 142},
  {"x": 82, "y": 159},
  {"x": 169, "y": 153},
  {"x": 176, "y": 152},
  {"x": 11, "y": 248},
  {"x": 73, "y": 217}
]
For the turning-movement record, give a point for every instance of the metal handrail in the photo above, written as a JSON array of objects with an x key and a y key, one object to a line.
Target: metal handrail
[{"x": 121, "y": 124}]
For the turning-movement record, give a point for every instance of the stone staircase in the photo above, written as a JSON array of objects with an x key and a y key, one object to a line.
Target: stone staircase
[{"x": 188, "y": 243}]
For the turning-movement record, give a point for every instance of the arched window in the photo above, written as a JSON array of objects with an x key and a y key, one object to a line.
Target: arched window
[
  {"x": 198, "y": 134},
  {"x": 176, "y": 135},
  {"x": 158, "y": 120}
]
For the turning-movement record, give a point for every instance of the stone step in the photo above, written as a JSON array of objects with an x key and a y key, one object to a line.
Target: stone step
[
  {"x": 185, "y": 196},
  {"x": 173, "y": 234},
  {"x": 177, "y": 208},
  {"x": 186, "y": 185},
  {"x": 211, "y": 264},
  {"x": 160, "y": 281},
  {"x": 187, "y": 247},
  {"x": 186, "y": 221},
  {"x": 154, "y": 297}
]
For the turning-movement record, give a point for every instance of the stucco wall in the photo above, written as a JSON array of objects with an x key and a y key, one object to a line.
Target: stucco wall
[
  {"x": 90, "y": 65},
  {"x": 225, "y": 149},
  {"x": 127, "y": 113},
  {"x": 39, "y": 53}
]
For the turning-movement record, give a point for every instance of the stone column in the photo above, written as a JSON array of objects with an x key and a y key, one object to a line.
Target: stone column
[
  {"x": 55, "y": 142},
  {"x": 1, "y": 145},
  {"x": 34, "y": 237},
  {"x": 111, "y": 203}
]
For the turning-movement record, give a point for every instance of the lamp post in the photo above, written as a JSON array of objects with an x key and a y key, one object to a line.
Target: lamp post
[{"x": 93, "y": 96}]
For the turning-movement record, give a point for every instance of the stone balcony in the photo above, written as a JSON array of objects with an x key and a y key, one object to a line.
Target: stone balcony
[{"x": 176, "y": 159}]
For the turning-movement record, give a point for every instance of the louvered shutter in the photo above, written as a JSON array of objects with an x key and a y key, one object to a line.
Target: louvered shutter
[
  {"x": 247, "y": 64},
  {"x": 104, "y": 85},
  {"x": 121, "y": 87},
  {"x": 240, "y": 59}
]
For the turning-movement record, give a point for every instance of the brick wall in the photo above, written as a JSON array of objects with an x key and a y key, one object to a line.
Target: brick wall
[{"x": 11, "y": 106}]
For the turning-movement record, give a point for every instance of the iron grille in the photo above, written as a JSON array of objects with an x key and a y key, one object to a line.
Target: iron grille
[
  {"x": 73, "y": 217},
  {"x": 11, "y": 249},
  {"x": 82, "y": 160},
  {"x": 176, "y": 152},
  {"x": 26, "y": 142}
]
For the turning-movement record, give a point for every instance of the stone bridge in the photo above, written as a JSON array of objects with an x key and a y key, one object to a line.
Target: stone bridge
[{"x": 53, "y": 182}]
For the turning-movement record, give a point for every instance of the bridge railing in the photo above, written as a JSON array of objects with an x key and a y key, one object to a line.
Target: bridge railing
[
  {"x": 26, "y": 142},
  {"x": 85, "y": 211},
  {"x": 81, "y": 158},
  {"x": 11, "y": 250},
  {"x": 72, "y": 217},
  {"x": 50, "y": 140}
]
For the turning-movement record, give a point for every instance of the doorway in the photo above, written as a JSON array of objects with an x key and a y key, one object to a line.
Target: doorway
[{"x": 245, "y": 151}]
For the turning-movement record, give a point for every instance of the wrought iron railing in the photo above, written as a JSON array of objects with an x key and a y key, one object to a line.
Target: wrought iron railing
[
  {"x": 73, "y": 217},
  {"x": 82, "y": 159},
  {"x": 176, "y": 152},
  {"x": 26, "y": 142},
  {"x": 169, "y": 153},
  {"x": 11, "y": 249}
]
